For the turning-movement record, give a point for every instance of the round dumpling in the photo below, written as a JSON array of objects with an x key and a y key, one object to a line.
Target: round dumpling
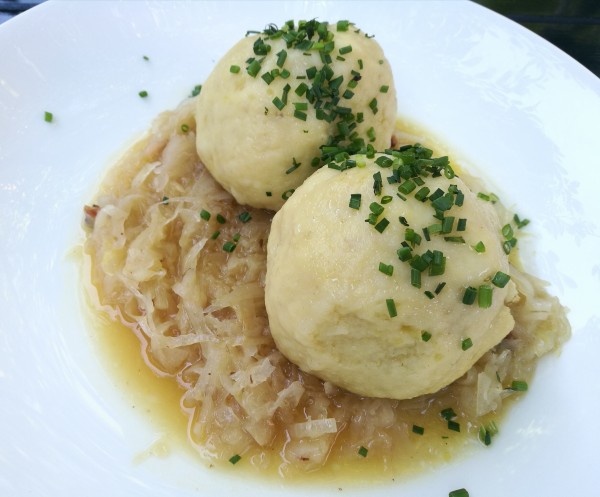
[
  {"x": 387, "y": 278},
  {"x": 275, "y": 99}
]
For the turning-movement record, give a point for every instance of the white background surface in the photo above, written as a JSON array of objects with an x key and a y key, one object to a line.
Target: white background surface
[{"x": 526, "y": 114}]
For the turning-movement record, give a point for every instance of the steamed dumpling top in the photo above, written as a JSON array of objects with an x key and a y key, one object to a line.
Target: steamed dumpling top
[
  {"x": 282, "y": 103},
  {"x": 400, "y": 305}
]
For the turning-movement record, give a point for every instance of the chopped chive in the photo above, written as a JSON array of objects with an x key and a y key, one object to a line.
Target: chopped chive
[
  {"x": 484, "y": 296},
  {"x": 287, "y": 194},
  {"x": 519, "y": 386},
  {"x": 466, "y": 344},
  {"x": 376, "y": 208},
  {"x": 371, "y": 133},
  {"x": 377, "y": 183},
  {"x": 48, "y": 116},
  {"x": 382, "y": 225},
  {"x": 500, "y": 279},
  {"x": 268, "y": 194},
  {"x": 145, "y": 57},
  {"x": 355, "y": 199},
  {"x": 268, "y": 78},
  {"x": 253, "y": 68},
  {"x": 469, "y": 295},
  {"x": 391, "y": 307},
  {"x": 425, "y": 336},
  {"x": 277, "y": 102},
  {"x": 507, "y": 231},
  {"x": 386, "y": 268},
  {"x": 384, "y": 88},
  {"x": 221, "y": 219},
  {"x": 419, "y": 430},
  {"x": 295, "y": 165},
  {"x": 204, "y": 214},
  {"x": 440, "y": 287},
  {"x": 480, "y": 247},
  {"x": 363, "y": 451},
  {"x": 236, "y": 237},
  {"x": 244, "y": 217},
  {"x": 403, "y": 221},
  {"x": 229, "y": 246},
  {"x": 281, "y": 56},
  {"x": 235, "y": 459},
  {"x": 448, "y": 413},
  {"x": 143, "y": 94},
  {"x": 454, "y": 239},
  {"x": 485, "y": 436},
  {"x": 483, "y": 196},
  {"x": 373, "y": 106},
  {"x": 215, "y": 235},
  {"x": 343, "y": 26},
  {"x": 453, "y": 425},
  {"x": 508, "y": 245},
  {"x": 422, "y": 193},
  {"x": 415, "y": 277},
  {"x": 461, "y": 225},
  {"x": 520, "y": 223},
  {"x": 185, "y": 128},
  {"x": 404, "y": 253},
  {"x": 300, "y": 115},
  {"x": 386, "y": 199},
  {"x": 234, "y": 69},
  {"x": 461, "y": 492},
  {"x": 196, "y": 91},
  {"x": 301, "y": 89},
  {"x": 345, "y": 50}
]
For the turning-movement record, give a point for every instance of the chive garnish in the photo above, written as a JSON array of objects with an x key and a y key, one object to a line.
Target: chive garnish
[
  {"x": 391, "y": 307},
  {"x": 229, "y": 246},
  {"x": 234, "y": 69},
  {"x": 221, "y": 219},
  {"x": 363, "y": 451},
  {"x": 448, "y": 413},
  {"x": 204, "y": 214},
  {"x": 235, "y": 459},
  {"x": 480, "y": 247},
  {"x": 143, "y": 93},
  {"x": 425, "y": 336},
  {"x": 466, "y": 344},
  {"x": 386, "y": 268},
  {"x": 48, "y": 116},
  {"x": 500, "y": 279},
  {"x": 484, "y": 296},
  {"x": 469, "y": 295},
  {"x": 453, "y": 425},
  {"x": 419, "y": 430},
  {"x": 244, "y": 217},
  {"x": 215, "y": 235},
  {"x": 382, "y": 225},
  {"x": 185, "y": 128},
  {"x": 519, "y": 386},
  {"x": 461, "y": 492},
  {"x": 355, "y": 199}
]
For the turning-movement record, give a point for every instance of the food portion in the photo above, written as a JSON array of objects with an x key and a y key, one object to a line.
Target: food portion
[
  {"x": 395, "y": 282},
  {"x": 371, "y": 270},
  {"x": 281, "y": 103}
]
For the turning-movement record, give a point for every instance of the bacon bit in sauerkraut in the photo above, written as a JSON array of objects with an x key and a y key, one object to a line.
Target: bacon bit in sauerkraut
[{"x": 160, "y": 267}]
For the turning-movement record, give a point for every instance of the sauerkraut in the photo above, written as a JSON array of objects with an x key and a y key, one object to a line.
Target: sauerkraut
[{"x": 176, "y": 259}]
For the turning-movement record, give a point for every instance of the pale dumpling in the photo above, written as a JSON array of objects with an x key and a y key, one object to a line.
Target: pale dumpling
[
  {"x": 271, "y": 103},
  {"x": 344, "y": 306}
]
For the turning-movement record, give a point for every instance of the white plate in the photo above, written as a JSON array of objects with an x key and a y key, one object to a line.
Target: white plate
[{"x": 511, "y": 103}]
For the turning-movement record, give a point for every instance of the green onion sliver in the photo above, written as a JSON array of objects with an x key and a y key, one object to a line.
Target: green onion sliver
[
  {"x": 391, "y": 307},
  {"x": 484, "y": 296},
  {"x": 500, "y": 279}
]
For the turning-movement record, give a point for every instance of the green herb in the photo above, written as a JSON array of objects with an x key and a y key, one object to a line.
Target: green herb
[
  {"x": 500, "y": 279},
  {"x": 204, "y": 214},
  {"x": 519, "y": 386},
  {"x": 221, "y": 219},
  {"x": 419, "y": 430},
  {"x": 448, "y": 413},
  {"x": 382, "y": 225},
  {"x": 244, "y": 217},
  {"x": 185, "y": 128},
  {"x": 520, "y": 223},
  {"x": 235, "y": 459},
  {"x": 479, "y": 248},
  {"x": 215, "y": 235},
  {"x": 281, "y": 56},
  {"x": 287, "y": 194},
  {"x": 196, "y": 91},
  {"x": 234, "y": 69},
  {"x": 469, "y": 295},
  {"x": 355, "y": 199},
  {"x": 48, "y": 116},
  {"x": 143, "y": 93},
  {"x": 391, "y": 307},
  {"x": 461, "y": 492},
  {"x": 229, "y": 246},
  {"x": 363, "y": 451},
  {"x": 425, "y": 336},
  {"x": 145, "y": 57},
  {"x": 345, "y": 50},
  {"x": 386, "y": 268},
  {"x": 466, "y": 344},
  {"x": 384, "y": 88},
  {"x": 253, "y": 68},
  {"x": 453, "y": 425},
  {"x": 484, "y": 296},
  {"x": 342, "y": 25}
]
